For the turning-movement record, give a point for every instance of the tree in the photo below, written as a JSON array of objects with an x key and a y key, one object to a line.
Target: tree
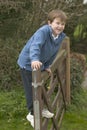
[
  {"x": 29, "y": 15},
  {"x": 20, "y": 18}
]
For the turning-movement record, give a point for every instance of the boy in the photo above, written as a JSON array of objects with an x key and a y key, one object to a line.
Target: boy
[{"x": 39, "y": 52}]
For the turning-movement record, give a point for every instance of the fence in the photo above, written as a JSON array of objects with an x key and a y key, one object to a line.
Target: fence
[{"x": 52, "y": 92}]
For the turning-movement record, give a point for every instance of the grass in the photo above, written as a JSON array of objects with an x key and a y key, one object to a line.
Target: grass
[
  {"x": 75, "y": 120},
  {"x": 13, "y": 111},
  {"x": 75, "y": 117}
]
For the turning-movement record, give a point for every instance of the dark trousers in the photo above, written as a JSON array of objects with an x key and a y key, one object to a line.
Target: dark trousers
[{"x": 27, "y": 83}]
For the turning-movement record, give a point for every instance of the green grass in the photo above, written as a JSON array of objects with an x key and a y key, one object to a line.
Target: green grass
[
  {"x": 75, "y": 117},
  {"x": 75, "y": 121},
  {"x": 13, "y": 112}
]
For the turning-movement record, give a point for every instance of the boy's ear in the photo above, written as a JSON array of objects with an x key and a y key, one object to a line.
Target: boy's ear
[{"x": 49, "y": 22}]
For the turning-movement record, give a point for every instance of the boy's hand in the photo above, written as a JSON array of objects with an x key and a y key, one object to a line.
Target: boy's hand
[
  {"x": 36, "y": 65},
  {"x": 49, "y": 71}
]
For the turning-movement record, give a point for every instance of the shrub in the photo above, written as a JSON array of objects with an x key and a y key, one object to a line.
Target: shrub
[
  {"x": 77, "y": 70},
  {"x": 9, "y": 71},
  {"x": 76, "y": 73}
]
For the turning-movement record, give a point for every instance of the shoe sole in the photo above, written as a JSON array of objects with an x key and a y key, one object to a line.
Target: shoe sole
[{"x": 48, "y": 116}]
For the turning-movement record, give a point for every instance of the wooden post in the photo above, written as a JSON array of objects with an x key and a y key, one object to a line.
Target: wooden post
[
  {"x": 37, "y": 83},
  {"x": 67, "y": 70}
]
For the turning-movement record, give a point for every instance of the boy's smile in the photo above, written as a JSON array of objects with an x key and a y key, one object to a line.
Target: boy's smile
[{"x": 57, "y": 26}]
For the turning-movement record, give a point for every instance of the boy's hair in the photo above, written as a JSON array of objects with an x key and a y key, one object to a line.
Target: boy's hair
[{"x": 57, "y": 14}]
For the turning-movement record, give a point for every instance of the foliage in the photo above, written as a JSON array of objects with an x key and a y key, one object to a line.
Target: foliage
[
  {"x": 76, "y": 73},
  {"x": 31, "y": 14},
  {"x": 9, "y": 72},
  {"x": 77, "y": 69}
]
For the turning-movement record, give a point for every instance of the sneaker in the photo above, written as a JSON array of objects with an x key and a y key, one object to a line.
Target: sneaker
[
  {"x": 47, "y": 114},
  {"x": 30, "y": 118}
]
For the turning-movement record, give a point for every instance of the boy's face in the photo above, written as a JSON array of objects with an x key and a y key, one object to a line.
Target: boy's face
[{"x": 57, "y": 26}]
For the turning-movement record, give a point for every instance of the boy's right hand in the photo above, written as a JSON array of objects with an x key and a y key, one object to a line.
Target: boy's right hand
[{"x": 36, "y": 65}]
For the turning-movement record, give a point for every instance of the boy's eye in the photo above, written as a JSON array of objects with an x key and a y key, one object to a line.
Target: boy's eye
[
  {"x": 63, "y": 24},
  {"x": 58, "y": 23}
]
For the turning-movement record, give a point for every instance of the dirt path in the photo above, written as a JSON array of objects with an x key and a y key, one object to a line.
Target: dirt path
[{"x": 84, "y": 84}]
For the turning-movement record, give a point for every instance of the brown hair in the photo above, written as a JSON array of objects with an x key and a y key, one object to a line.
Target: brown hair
[{"x": 57, "y": 14}]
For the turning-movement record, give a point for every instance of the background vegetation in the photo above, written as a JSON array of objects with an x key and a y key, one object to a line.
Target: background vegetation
[{"x": 19, "y": 19}]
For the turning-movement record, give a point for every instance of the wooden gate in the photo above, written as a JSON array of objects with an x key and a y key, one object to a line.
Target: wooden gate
[{"x": 52, "y": 92}]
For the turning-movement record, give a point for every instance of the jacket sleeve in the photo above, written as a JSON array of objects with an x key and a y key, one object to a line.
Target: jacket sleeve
[{"x": 36, "y": 45}]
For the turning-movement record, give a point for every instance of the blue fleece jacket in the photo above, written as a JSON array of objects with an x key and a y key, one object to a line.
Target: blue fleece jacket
[{"x": 40, "y": 47}]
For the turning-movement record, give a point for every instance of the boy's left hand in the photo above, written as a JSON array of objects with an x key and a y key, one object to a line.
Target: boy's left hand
[{"x": 49, "y": 71}]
